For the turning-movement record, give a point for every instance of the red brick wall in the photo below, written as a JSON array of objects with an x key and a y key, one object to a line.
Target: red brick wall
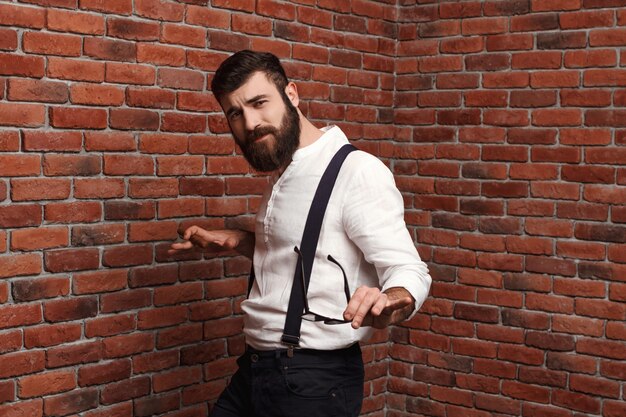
[
  {"x": 109, "y": 143},
  {"x": 505, "y": 141},
  {"x": 512, "y": 118}
]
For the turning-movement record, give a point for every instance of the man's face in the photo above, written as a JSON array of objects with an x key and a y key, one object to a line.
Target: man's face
[{"x": 264, "y": 123}]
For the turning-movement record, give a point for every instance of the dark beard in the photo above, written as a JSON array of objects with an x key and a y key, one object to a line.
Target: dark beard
[{"x": 264, "y": 157}]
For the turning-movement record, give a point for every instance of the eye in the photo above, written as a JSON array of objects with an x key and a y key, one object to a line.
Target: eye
[
  {"x": 259, "y": 103},
  {"x": 234, "y": 115}
]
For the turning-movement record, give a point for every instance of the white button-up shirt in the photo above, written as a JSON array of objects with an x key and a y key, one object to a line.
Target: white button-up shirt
[{"x": 363, "y": 230}]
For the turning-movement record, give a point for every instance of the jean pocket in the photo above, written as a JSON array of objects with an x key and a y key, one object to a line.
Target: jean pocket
[{"x": 319, "y": 382}]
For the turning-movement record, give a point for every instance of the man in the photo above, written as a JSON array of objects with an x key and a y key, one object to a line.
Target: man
[{"x": 364, "y": 253}]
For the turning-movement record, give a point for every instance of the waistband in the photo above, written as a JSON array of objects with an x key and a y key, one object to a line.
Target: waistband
[{"x": 256, "y": 355}]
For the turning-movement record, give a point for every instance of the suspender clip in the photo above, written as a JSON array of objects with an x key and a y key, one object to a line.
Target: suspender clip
[{"x": 291, "y": 342}]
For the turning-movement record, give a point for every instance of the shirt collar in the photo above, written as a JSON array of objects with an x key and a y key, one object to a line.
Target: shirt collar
[{"x": 315, "y": 147}]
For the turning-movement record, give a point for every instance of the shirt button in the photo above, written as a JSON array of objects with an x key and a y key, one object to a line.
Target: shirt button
[{"x": 254, "y": 358}]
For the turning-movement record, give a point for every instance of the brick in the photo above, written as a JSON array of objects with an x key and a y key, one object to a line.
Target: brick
[
  {"x": 605, "y": 156},
  {"x": 98, "y": 235},
  {"x": 20, "y": 215},
  {"x": 51, "y": 335},
  {"x": 181, "y": 335},
  {"x": 155, "y": 361},
  {"x": 127, "y": 345},
  {"x": 36, "y": 189},
  {"x": 150, "y": 97},
  {"x": 127, "y": 255},
  {"x": 74, "y": 354},
  {"x": 51, "y": 44},
  {"x": 152, "y": 405},
  {"x": 507, "y": 118},
  {"x": 134, "y": 119},
  {"x": 50, "y": 287},
  {"x": 525, "y": 319},
  {"x": 72, "y": 402},
  {"x": 125, "y": 390},
  {"x": 67, "y": 260},
  {"x": 11, "y": 342},
  {"x": 19, "y": 265},
  {"x": 556, "y": 154},
  {"x": 99, "y": 95},
  {"x": 78, "y": 118},
  {"x": 97, "y": 282},
  {"x": 36, "y": 90},
  {"x": 70, "y": 309},
  {"x": 45, "y": 384},
  {"x": 147, "y": 188},
  {"x": 506, "y": 80},
  {"x": 179, "y": 122},
  {"x": 128, "y": 165},
  {"x": 120, "y": 410},
  {"x": 590, "y": 58},
  {"x": 107, "y": 49},
  {"x": 14, "y": 15},
  {"x": 132, "y": 30},
  {"x": 201, "y": 16},
  {"x": 177, "y": 378},
  {"x": 72, "y": 165},
  {"x": 25, "y": 66},
  {"x": 233, "y": 42},
  {"x": 482, "y": 135},
  {"x": 76, "y": 22},
  {"x": 509, "y": 42},
  {"x": 164, "y": 55},
  {"x": 9, "y": 141},
  {"x": 23, "y": 115},
  {"x": 99, "y": 188},
  {"x": 179, "y": 294},
  {"x": 21, "y": 363},
  {"x": 104, "y": 373},
  {"x": 110, "y": 325},
  {"x": 30, "y": 408},
  {"x": 75, "y": 212},
  {"x": 123, "y": 73},
  {"x": 564, "y": 117},
  {"x": 7, "y": 392},
  {"x": 73, "y": 69},
  {"x": 52, "y": 141},
  {"x": 536, "y": 60},
  {"x": 576, "y": 401},
  {"x": 208, "y": 61},
  {"x": 526, "y": 392},
  {"x": 600, "y": 232}
]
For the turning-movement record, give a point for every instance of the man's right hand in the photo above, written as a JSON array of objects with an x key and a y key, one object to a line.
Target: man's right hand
[{"x": 196, "y": 237}]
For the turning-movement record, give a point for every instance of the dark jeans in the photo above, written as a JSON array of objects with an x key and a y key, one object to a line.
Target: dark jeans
[{"x": 312, "y": 383}]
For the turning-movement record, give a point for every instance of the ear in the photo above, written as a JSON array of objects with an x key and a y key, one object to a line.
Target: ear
[{"x": 292, "y": 92}]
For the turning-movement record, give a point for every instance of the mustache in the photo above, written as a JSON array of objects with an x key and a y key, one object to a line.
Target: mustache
[{"x": 259, "y": 132}]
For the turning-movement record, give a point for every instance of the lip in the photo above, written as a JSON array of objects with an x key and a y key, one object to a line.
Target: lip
[{"x": 262, "y": 138}]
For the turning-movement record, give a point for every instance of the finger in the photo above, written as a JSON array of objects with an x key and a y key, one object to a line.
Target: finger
[
  {"x": 364, "y": 308},
  {"x": 188, "y": 232},
  {"x": 381, "y": 303},
  {"x": 355, "y": 301},
  {"x": 181, "y": 245},
  {"x": 397, "y": 304}
]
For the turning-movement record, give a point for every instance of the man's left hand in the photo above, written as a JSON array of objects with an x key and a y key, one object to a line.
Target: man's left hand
[{"x": 371, "y": 307}]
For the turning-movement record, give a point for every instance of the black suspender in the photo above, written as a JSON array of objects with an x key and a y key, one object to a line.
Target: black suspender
[{"x": 310, "y": 237}]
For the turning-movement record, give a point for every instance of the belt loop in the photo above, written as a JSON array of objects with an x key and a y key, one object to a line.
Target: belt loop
[{"x": 290, "y": 351}]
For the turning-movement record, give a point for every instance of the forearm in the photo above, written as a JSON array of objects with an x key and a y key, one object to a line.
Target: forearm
[
  {"x": 396, "y": 293},
  {"x": 246, "y": 243}
]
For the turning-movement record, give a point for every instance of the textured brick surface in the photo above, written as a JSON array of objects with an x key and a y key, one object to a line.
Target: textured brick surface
[{"x": 502, "y": 121}]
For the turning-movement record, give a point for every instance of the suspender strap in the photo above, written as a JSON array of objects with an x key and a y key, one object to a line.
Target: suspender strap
[{"x": 310, "y": 237}]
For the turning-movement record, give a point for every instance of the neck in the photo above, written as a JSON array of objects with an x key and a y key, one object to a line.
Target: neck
[{"x": 308, "y": 132}]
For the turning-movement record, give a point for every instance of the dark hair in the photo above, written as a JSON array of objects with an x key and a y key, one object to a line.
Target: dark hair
[{"x": 237, "y": 68}]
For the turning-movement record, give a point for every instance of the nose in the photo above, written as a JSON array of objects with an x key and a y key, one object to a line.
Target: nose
[{"x": 251, "y": 120}]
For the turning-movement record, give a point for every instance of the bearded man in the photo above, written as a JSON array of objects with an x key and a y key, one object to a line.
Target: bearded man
[{"x": 358, "y": 270}]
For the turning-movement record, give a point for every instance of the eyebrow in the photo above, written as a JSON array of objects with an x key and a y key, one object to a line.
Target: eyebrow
[{"x": 249, "y": 101}]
